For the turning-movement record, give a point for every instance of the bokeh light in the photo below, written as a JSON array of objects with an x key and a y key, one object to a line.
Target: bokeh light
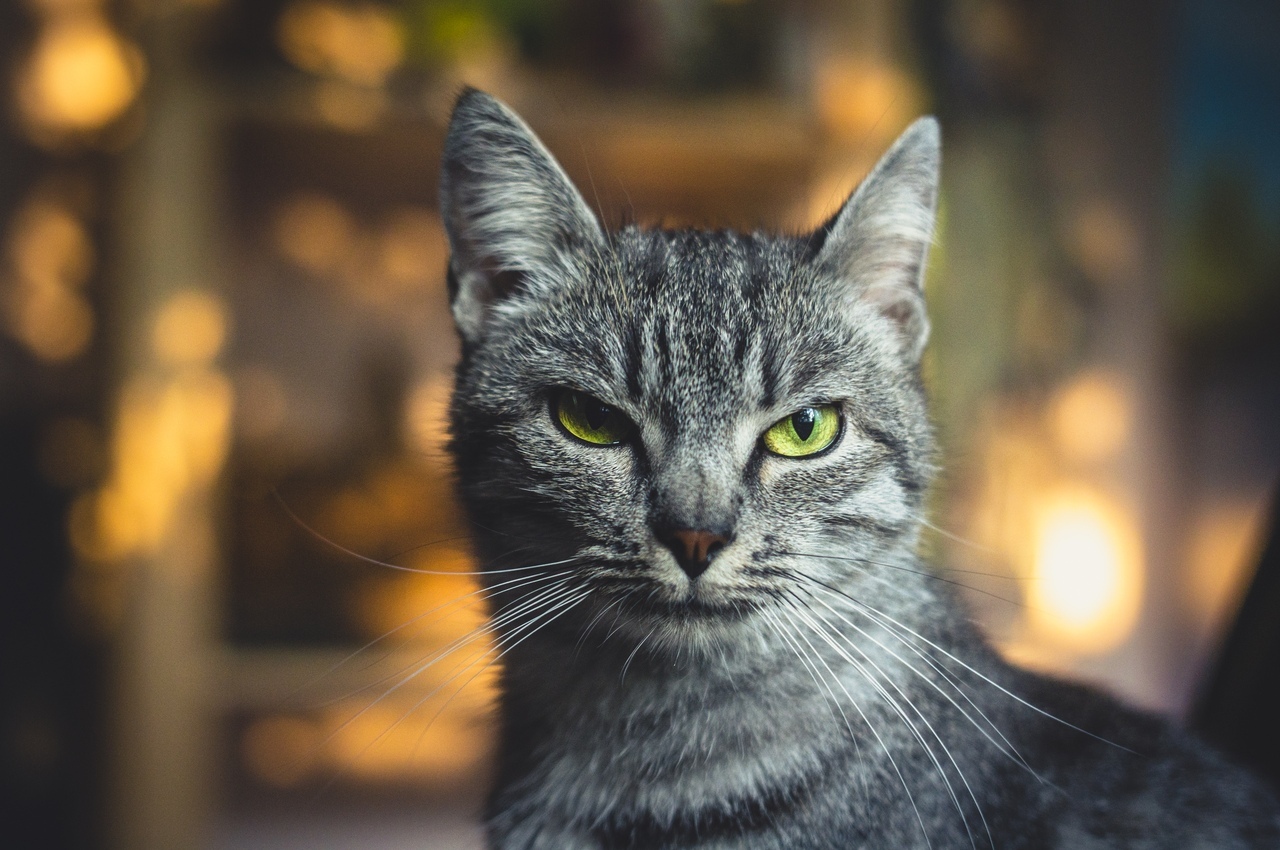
[
  {"x": 55, "y": 324},
  {"x": 80, "y": 75},
  {"x": 426, "y": 415},
  {"x": 856, "y": 97},
  {"x": 170, "y": 435},
  {"x": 1225, "y": 543},
  {"x": 282, "y": 750},
  {"x": 50, "y": 256},
  {"x": 1091, "y": 417},
  {"x": 410, "y": 248},
  {"x": 314, "y": 231},
  {"x": 49, "y": 245},
  {"x": 360, "y": 42},
  {"x": 1087, "y": 576},
  {"x": 190, "y": 328},
  {"x": 348, "y": 106}
]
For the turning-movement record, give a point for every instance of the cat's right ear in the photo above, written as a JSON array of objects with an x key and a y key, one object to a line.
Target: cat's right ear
[
  {"x": 878, "y": 244},
  {"x": 515, "y": 221}
]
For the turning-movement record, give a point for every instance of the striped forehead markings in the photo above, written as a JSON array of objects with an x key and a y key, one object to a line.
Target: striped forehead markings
[{"x": 702, "y": 307}]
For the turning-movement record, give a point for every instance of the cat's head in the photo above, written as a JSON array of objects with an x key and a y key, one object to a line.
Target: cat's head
[{"x": 688, "y": 425}]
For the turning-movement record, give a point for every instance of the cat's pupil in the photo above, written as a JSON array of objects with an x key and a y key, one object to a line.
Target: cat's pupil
[
  {"x": 597, "y": 414},
  {"x": 803, "y": 421}
]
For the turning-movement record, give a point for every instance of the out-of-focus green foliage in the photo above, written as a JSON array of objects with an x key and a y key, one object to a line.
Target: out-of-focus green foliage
[
  {"x": 1227, "y": 259},
  {"x": 693, "y": 45}
]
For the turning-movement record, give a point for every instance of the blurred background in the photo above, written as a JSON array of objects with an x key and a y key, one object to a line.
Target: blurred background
[{"x": 225, "y": 354}]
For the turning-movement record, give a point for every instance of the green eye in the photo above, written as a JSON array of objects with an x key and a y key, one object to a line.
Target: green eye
[
  {"x": 806, "y": 432},
  {"x": 590, "y": 420}
]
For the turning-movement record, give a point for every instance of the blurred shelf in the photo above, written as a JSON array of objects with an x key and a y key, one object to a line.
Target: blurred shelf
[{"x": 285, "y": 679}]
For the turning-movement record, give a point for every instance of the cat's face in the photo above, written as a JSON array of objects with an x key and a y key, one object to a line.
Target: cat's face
[{"x": 681, "y": 421}]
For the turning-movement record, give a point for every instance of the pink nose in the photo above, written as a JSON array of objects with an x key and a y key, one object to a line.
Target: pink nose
[{"x": 695, "y": 549}]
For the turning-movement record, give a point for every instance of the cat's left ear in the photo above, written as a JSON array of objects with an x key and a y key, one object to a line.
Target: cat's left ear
[
  {"x": 516, "y": 224},
  {"x": 878, "y": 244}
]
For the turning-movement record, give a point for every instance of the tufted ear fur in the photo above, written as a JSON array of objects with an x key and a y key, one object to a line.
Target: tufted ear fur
[
  {"x": 879, "y": 241},
  {"x": 514, "y": 220}
]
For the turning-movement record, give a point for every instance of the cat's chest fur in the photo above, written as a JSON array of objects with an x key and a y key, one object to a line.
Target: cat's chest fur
[
  {"x": 721, "y": 752},
  {"x": 752, "y": 752},
  {"x": 684, "y": 738}
]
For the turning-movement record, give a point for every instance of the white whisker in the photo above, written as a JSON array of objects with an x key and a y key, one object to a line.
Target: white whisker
[
  {"x": 539, "y": 597},
  {"x": 888, "y": 753},
  {"x": 974, "y": 671},
  {"x": 890, "y": 700},
  {"x": 1006, "y": 747},
  {"x": 828, "y": 695},
  {"x": 558, "y": 606},
  {"x": 923, "y": 719}
]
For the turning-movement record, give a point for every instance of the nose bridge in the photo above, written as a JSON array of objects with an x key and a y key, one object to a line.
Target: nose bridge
[{"x": 697, "y": 487}]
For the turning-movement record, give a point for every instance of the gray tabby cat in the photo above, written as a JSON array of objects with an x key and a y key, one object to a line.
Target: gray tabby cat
[{"x": 710, "y": 451}]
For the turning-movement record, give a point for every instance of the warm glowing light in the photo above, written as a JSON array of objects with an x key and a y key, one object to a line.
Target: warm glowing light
[
  {"x": 1087, "y": 573},
  {"x": 388, "y": 499},
  {"x": 426, "y": 416},
  {"x": 383, "y": 606},
  {"x": 1091, "y": 417},
  {"x": 314, "y": 231},
  {"x": 282, "y": 751},
  {"x": 54, "y": 324},
  {"x": 50, "y": 256},
  {"x": 49, "y": 246},
  {"x": 189, "y": 328},
  {"x": 409, "y": 738},
  {"x": 411, "y": 249},
  {"x": 80, "y": 75},
  {"x": 170, "y": 436},
  {"x": 361, "y": 42},
  {"x": 857, "y": 97},
  {"x": 1224, "y": 549},
  {"x": 429, "y": 728}
]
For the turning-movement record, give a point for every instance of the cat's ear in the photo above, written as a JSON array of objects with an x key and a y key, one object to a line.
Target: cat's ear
[
  {"x": 514, "y": 220},
  {"x": 878, "y": 243}
]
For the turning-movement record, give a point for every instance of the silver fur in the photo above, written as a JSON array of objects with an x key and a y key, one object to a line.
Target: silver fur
[{"x": 816, "y": 687}]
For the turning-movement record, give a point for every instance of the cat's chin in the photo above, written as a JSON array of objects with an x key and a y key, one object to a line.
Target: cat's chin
[
  {"x": 695, "y": 610},
  {"x": 683, "y": 624}
]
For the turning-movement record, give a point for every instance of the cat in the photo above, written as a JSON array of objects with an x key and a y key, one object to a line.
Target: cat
[{"x": 708, "y": 453}]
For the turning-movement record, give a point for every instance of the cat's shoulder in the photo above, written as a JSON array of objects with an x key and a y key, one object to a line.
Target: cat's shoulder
[{"x": 1123, "y": 777}]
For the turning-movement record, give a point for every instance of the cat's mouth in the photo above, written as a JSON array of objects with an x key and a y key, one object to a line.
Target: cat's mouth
[
  {"x": 694, "y": 608},
  {"x": 641, "y": 596}
]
